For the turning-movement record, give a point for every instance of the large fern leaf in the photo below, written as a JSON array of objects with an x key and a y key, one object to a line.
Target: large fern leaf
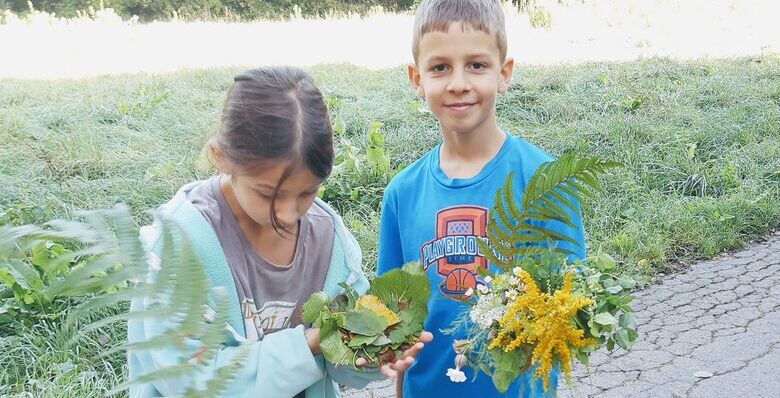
[
  {"x": 526, "y": 227},
  {"x": 112, "y": 258}
]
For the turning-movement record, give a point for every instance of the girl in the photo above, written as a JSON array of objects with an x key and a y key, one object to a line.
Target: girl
[{"x": 260, "y": 231}]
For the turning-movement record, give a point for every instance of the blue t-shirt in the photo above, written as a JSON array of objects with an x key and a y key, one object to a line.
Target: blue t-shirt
[{"x": 434, "y": 219}]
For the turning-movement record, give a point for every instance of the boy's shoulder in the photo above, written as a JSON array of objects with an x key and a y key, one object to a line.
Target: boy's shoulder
[
  {"x": 526, "y": 153},
  {"x": 524, "y": 158}
]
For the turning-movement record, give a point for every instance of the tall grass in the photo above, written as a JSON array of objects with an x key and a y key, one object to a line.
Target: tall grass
[{"x": 700, "y": 142}]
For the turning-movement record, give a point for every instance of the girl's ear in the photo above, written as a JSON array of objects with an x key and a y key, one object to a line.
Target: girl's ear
[
  {"x": 218, "y": 157},
  {"x": 414, "y": 78},
  {"x": 506, "y": 75}
]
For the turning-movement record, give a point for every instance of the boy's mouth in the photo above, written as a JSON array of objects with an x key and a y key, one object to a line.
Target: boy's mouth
[{"x": 460, "y": 106}]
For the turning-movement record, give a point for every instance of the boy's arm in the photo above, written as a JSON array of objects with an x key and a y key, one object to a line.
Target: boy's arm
[
  {"x": 390, "y": 252},
  {"x": 399, "y": 385}
]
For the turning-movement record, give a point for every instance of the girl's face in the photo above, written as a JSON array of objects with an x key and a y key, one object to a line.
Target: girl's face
[{"x": 255, "y": 192}]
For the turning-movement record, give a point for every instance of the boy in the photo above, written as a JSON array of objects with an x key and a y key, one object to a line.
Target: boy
[{"x": 436, "y": 209}]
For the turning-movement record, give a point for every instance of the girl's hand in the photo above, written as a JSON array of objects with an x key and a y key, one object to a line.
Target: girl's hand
[
  {"x": 400, "y": 365},
  {"x": 313, "y": 339}
]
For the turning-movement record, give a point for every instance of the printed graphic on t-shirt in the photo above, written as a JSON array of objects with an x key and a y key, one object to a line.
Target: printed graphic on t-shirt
[
  {"x": 454, "y": 251},
  {"x": 273, "y": 316}
]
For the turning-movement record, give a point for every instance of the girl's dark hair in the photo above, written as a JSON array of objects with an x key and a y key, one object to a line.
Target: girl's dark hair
[{"x": 274, "y": 114}]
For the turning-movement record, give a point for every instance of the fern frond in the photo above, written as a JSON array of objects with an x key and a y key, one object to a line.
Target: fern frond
[
  {"x": 551, "y": 195},
  {"x": 487, "y": 251},
  {"x": 111, "y": 258}
]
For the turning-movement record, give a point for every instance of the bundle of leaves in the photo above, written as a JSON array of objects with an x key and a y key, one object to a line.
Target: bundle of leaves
[
  {"x": 377, "y": 326},
  {"x": 536, "y": 308}
]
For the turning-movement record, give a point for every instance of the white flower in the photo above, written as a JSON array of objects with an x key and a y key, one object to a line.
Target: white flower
[
  {"x": 488, "y": 279},
  {"x": 482, "y": 289},
  {"x": 469, "y": 292},
  {"x": 489, "y": 308},
  {"x": 516, "y": 271},
  {"x": 456, "y": 375}
]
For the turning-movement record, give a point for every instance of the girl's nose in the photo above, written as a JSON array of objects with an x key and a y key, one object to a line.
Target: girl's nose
[{"x": 287, "y": 213}]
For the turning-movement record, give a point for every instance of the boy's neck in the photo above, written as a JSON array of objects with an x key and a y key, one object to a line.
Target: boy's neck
[{"x": 464, "y": 154}]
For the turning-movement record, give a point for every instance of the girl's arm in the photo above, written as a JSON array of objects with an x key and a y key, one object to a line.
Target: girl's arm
[{"x": 282, "y": 364}]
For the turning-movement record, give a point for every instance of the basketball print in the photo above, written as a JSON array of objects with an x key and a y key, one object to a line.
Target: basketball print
[
  {"x": 457, "y": 282},
  {"x": 454, "y": 251}
]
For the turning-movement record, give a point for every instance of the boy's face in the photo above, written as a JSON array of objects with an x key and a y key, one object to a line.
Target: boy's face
[{"x": 459, "y": 73}]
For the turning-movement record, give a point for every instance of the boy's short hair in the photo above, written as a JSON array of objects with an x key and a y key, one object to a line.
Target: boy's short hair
[{"x": 437, "y": 15}]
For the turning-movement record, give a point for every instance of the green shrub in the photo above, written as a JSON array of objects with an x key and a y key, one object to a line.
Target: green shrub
[{"x": 148, "y": 10}]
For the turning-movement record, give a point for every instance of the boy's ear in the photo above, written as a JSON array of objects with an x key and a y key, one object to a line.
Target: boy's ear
[
  {"x": 218, "y": 157},
  {"x": 414, "y": 78},
  {"x": 506, "y": 75}
]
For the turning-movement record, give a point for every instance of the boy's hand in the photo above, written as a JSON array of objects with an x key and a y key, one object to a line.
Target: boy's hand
[{"x": 392, "y": 369}]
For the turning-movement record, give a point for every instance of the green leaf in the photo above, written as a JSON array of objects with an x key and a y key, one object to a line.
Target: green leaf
[
  {"x": 627, "y": 321},
  {"x": 375, "y": 136},
  {"x": 359, "y": 340},
  {"x": 364, "y": 321},
  {"x": 317, "y": 303},
  {"x": 410, "y": 324},
  {"x": 605, "y": 262},
  {"x": 507, "y": 365},
  {"x": 582, "y": 357},
  {"x": 339, "y": 127},
  {"x": 605, "y": 318},
  {"x": 408, "y": 284},
  {"x": 614, "y": 289},
  {"x": 332, "y": 347},
  {"x": 352, "y": 295},
  {"x": 626, "y": 282},
  {"x": 377, "y": 159},
  {"x": 23, "y": 274},
  {"x": 623, "y": 339},
  {"x": 381, "y": 340}
]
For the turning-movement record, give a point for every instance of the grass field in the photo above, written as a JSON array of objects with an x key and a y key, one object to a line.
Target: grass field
[{"x": 700, "y": 141}]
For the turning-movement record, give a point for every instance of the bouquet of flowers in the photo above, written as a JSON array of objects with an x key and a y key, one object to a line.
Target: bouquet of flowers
[
  {"x": 535, "y": 307},
  {"x": 377, "y": 326}
]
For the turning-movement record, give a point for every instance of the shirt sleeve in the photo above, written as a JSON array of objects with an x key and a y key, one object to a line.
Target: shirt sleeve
[
  {"x": 263, "y": 367},
  {"x": 390, "y": 252}
]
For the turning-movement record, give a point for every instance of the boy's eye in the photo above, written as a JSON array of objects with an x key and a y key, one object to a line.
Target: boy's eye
[
  {"x": 478, "y": 66},
  {"x": 439, "y": 68}
]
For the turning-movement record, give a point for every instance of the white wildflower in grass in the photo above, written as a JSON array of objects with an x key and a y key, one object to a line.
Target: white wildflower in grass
[
  {"x": 483, "y": 289},
  {"x": 488, "y": 309},
  {"x": 456, "y": 375},
  {"x": 488, "y": 279},
  {"x": 517, "y": 271}
]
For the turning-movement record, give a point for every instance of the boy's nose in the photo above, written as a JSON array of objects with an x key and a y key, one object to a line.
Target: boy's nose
[{"x": 458, "y": 83}]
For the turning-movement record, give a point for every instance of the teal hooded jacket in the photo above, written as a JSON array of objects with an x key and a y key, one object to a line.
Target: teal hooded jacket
[{"x": 281, "y": 364}]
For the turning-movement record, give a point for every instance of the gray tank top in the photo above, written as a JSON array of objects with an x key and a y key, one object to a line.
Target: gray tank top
[{"x": 271, "y": 296}]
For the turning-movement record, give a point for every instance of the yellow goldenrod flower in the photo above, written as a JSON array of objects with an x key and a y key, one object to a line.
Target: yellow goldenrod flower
[{"x": 545, "y": 322}]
